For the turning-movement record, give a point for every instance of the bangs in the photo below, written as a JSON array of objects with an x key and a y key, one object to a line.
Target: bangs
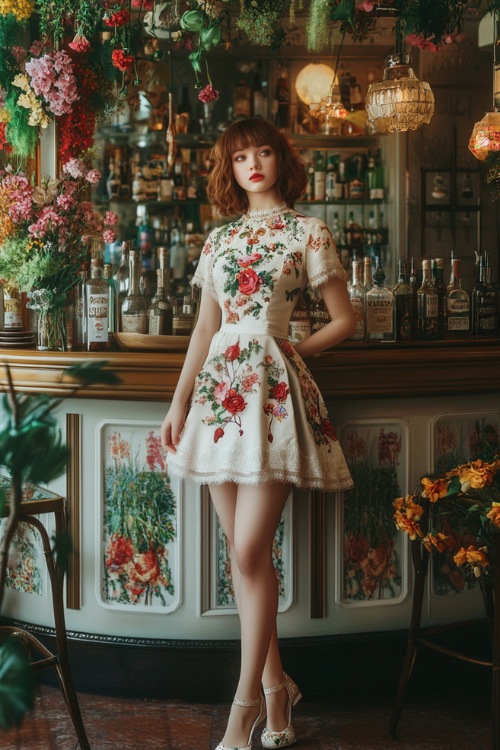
[{"x": 251, "y": 132}]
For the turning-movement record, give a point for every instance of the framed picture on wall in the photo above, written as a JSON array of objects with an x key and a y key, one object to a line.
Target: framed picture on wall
[
  {"x": 437, "y": 188},
  {"x": 467, "y": 189}
]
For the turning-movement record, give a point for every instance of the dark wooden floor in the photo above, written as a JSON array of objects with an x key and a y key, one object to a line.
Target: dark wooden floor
[{"x": 429, "y": 722}]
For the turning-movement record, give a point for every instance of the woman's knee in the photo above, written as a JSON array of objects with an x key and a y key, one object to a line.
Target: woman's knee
[{"x": 251, "y": 559}]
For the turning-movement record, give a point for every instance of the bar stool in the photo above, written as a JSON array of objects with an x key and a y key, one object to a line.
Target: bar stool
[
  {"x": 30, "y": 508},
  {"x": 422, "y": 637}
]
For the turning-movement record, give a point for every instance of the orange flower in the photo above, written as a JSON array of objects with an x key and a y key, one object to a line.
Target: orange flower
[
  {"x": 434, "y": 488},
  {"x": 477, "y": 558},
  {"x": 407, "y": 525},
  {"x": 494, "y": 514},
  {"x": 439, "y": 541},
  {"x": 475, "y": 474}
]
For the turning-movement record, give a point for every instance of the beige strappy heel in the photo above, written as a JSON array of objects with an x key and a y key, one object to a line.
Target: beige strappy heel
[
  {"x": 286, "y": 737},
  {"x": 262, "y": 715}
]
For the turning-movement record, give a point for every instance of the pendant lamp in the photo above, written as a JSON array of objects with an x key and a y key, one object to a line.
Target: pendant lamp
[
  {"x": 400, "y": 101},
  {"x": 485, "y": 138},
  {"x": 330, "y": 111}
]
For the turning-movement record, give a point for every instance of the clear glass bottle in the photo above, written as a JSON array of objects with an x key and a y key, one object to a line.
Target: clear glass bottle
[
  {"x": 413, "y": 281},
  {"x": 133, "y": 312},
  {"x": 122, "y": 278},
  {"x": 299, "y": 327},
  {"x": 108, "y": 278},
  {"x": 357, "y": 296},
  {"x": 427, "y": 305},
  {"x": 319, "y": 177},
  {"x": 164, "y": 267},
  {"x": 403, "y": 305},
  {"x": 160, "y": 312},
  {"x": 457, "y": 305},
  {"x": 484, "y": 304},
  {"x": 379, "y": 308},
  {"x": 437, "y": 270},
  {"x": 97, "y": 304},
  {"x": 367, "y": 274},
  {"x": 79, "y": 318},
  {"x": 184, "y": 317},
  {"x": 178, "y": 259}
]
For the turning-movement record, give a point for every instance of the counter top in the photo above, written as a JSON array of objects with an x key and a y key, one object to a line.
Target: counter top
[{"x": 349, "y": 371}]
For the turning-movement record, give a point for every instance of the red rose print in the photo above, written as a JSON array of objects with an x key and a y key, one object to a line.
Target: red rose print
[
  {"x": 328, "y": 429},
  {"x": 234, "y": 402},
  {"x": 219, "y": 432},
  {"x": 280, "y": 391},
  {"x": 232, "y": 352},
  {"x": 119, "y": 552},
  {"x": 249, "y": 282}
]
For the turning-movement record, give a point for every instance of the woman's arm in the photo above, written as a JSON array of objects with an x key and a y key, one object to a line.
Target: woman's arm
[
  {"x": 342, "y": 324},
  {"x": 207, "y": 324}
]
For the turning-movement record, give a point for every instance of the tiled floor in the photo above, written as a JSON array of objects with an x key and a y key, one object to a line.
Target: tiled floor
[{"x": 439, "y": 722}]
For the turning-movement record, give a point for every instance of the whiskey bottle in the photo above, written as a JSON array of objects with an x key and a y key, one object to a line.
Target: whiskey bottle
[
  {"x": 403, "y": 305},
  {"x": 484, "y": 304},
  {"x": 367, "y": 274},
  {"x": 300, "y": 324},
  {"x": 437, "y": 270},
  {"x": 12, "y": 310},
  {"x": 184, "y": 317},
  {"x": 133, "y": 312},
  {"x": 457, "y": 305},
  {"x": 357, "y": 296},
  {"x": 97, "y": 304},
  {"x": 427, "y": 305},
  {"x": 160, "y": 312},
  {"x": 319, "y": 178},
  {"x": 380, "y": 308}
]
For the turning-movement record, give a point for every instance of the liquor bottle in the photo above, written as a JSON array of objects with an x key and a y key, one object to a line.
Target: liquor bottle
[
  {"x": 97, "y": 303},
  {"x": 371, "y": 179},
  {"x": 184, "y": 317},
  {"x": 357, "y": 296},
  {"x": 413, "y": 281},
  {"x": 331, "y": 177},
  {"x": 403, "y": 305},
  {"x": 484, "y": 304},
  {"x": 12, "y": 309},
  {"x": 160, "y": 312},
  {"x": 113, "y": 181},
  {"x": 310, "y": 182},
  {"x": 300, "y": 324},
  {"x": 380, "y": 181},
  {"x": 357, "y": 189},
  {"x": 184, "y": 108},
  {"x": 437, "y": 272},
  {"x": 427, "y": 305},
  {"x": 457, "y": 305},
  {"x": 122, "y": 278},
  {"x": 145, "y": 236},
  {"x": 178, "y": 258},
  {"x": 319, "y": 313},
  {"x": 319, "y": 178},
  {"x": 367, "y": 275},
  {"x": 79, "y": 315},
  {"x": 113, "y": 304},
  {"x": 133, "y": 312},
  {"x": 341, "y": 182},
  {"x": 379, "y": 308},
  {"x": 354, "y": 235}
]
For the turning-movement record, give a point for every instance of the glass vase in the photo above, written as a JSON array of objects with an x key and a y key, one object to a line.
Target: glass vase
[{"x": 52, "y": 332}]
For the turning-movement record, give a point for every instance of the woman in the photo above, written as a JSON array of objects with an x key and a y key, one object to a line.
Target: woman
[{"x": 257, "y": 424}]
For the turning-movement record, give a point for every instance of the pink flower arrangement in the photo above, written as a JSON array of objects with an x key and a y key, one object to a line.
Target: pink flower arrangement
[{"x": 53, "y": 80}]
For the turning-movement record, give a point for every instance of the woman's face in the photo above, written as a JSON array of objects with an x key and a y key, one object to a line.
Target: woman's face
[{"x": 255, "y": 168}]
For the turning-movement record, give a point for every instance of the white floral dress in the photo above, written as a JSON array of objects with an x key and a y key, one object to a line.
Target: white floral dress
[{"x": 256, "y": 414}]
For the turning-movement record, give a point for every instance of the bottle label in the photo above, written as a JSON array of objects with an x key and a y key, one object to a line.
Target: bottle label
[
  {"x": 431, "y": 306},
  {"x": 358, "y": 309},
  {"x": 155, "y": 325},
  {"x": 379, "y": 316},
  {"x": 182, "y": 325},
  {"x": 299, "y": 330},
  {"x": 133, "y": 323},
  {"x": 13, "y": 313},
  {"x": 458, "y": 323},
  {"x": 97, "y": 317}
]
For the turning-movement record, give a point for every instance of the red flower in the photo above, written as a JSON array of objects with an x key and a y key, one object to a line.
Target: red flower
[
  {"x": 280, "y": 391},
  {"x": 120, "y": 18},
  {"x": 232, "y": 352},
  {"x": 80, "y": 43},
  {"x": 328, "y": 429},
  {"x": 249, "y": 259},
  {"x": 208, "y": 94},
  {"x": 219, "y": 432},
  {"x": 119, "y": 552},
  {"x": 145, "y": 568},
  {"x": 3, "y": 138},
  {"x": 121, "y": 60},
  {"x": 234, "y": 402},
  {"x": 248, "y": 281}
]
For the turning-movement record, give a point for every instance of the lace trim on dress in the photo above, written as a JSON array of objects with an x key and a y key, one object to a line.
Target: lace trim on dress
[
  {"x": 205, "y": 285},
  {"x": 331, "y": 270},
  {"x": 264, "y": 213}
]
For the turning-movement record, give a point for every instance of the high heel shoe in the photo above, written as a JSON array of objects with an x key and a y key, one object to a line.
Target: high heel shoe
[
  {"x": 262, "y": 715},
  {"x": 287, "y": 736}
]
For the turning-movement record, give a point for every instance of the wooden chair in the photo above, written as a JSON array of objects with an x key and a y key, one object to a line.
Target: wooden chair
[
  {"x": 30, "y": 509},
  {"x": 423, "y": 637}
]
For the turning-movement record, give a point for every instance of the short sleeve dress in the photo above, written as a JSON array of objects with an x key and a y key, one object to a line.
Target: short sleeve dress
[{"x": 256, "y": 414}]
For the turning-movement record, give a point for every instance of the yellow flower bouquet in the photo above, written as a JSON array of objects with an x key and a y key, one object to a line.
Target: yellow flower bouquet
[{"x": 466, "y": 498}]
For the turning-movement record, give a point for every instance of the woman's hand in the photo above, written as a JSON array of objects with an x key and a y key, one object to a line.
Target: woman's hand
[{"x": 172, "y": 427}]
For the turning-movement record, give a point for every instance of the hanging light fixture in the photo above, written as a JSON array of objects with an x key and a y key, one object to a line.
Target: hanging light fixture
[
  {"x": 485, "y": 138},
  {"x": 329, "y": 110},
  {"x": 400, "y": 101}
]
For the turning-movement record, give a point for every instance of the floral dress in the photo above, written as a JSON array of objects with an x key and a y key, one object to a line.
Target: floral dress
[{"x": 256, "y": 414}]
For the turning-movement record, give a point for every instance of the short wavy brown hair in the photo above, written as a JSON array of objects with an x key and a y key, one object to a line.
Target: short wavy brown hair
[{"x": 223, "y": 190}]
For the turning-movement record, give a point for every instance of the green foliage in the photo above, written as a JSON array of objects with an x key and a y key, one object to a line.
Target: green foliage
[
  {"x": 91, "y": 373},
  {"x": 368, "y": 510},
  {"x": 17, "y": 686}
]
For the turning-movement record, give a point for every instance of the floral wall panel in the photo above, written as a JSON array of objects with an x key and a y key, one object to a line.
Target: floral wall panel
[
  {"x": 220, "y": 594},
  {"x": 139, "y": 517},
  {"x": 458, "y": 439},
  {"x": 374, "y": 555},
  {"x": 26, "y": 570}
]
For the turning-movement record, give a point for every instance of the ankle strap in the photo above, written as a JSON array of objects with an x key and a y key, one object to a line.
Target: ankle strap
[
  {"x": 275, "y": 688},
  {"x": 246, "y": 704}
]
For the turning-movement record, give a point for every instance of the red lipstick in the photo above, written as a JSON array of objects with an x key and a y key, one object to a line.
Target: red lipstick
[{"x": 257, "y": 177}]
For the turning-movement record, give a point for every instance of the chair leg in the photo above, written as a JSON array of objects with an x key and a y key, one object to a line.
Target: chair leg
[
  {"x": 420, "y": 563},
  {"x": 63, "y": 667},
  {"x": 495, "y": 687}
]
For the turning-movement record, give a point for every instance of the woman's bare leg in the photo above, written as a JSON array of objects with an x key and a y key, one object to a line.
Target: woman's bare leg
[{"x": 249, "y": 516}]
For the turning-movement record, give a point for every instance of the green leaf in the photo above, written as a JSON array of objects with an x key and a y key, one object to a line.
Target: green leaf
[
  {"x": 89, "y": 373},
  {"x": 210, "y": 37},
  {"x": 194, "y": 59},
  {"x": 344, "y": 11},
  {"x": 17, "y": 686},
  {"x": 192, "y": 20}
]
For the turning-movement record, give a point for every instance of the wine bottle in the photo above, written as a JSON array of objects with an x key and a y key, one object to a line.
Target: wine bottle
[{"x": 133, "y": 312}]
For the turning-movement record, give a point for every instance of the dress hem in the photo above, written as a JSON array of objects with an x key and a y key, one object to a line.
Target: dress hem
[{"x": 255, "y": 480}]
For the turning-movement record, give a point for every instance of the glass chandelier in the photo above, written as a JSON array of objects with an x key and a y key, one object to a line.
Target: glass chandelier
[
  {"x": 400, "y": 101},
  {"x": 485, "y": 138},
  {"x": 330, "y": 109}
]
